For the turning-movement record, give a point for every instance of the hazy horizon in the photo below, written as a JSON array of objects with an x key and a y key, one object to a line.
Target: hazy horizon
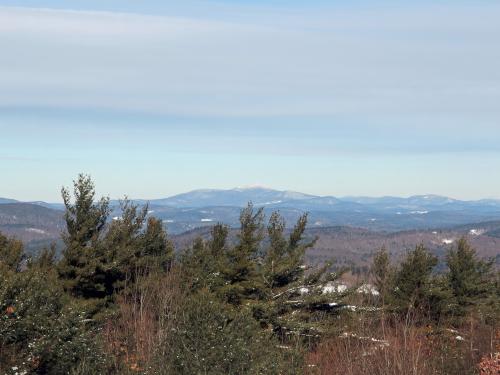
[
  {"x": 247, "y": 187},
  {"x": 156, "y": 98}
]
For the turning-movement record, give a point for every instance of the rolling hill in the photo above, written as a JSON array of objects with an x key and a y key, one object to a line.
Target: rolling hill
[
  {"x": 30, "y": 222},
  {"x": 348, "y": 227}
]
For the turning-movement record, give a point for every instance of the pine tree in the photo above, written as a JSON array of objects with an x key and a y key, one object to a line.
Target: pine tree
[
  {"x": 46, "y": 259},
  {"x": 413, "y": 280},
  {"x": 284, "y": 258},
  {"x": 294, "y": 304},
  {"x": 204, "y": 261},
  {"x": 211, "y": 337},
  {"x": 135, "y": 246},
  {"x": 382, "y": 272},
  {"x": 121, "y": 245},
  {"x": 470, "y": 278},
  {"x": 84, "y": 262},
  {"x": 240, "y": 268},
  {"x": 11, "y": 254},
  {"x": 41, "y": 330},
  {"x": 266, "y": 276},
  {"x": 156, "y": 250}
]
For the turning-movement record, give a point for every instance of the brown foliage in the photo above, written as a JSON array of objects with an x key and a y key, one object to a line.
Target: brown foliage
[
  {"x": 490, "y": 365},
  {"x": 145, "y": 314},
  {"x": 395, "y": 347}
]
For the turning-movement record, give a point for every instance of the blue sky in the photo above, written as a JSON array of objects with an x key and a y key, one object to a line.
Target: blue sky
[{"x": 155, "y": 98}]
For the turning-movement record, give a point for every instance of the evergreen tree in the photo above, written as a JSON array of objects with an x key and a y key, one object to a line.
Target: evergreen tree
[
  {"x": 121, "y": 246},
  {"x": 11, "y": 254},
  {"x": 135, "y": 246},
  {"x": 267, "y": 281},
  {"x": 218, "y": 242},
  {"x": 212, "y": 338},
  {"x": 84, "y": 263},
  {"x": 382, "y": 272},
  {"x": 46, "y": 259},
  {"x": 156, "y": 250},
  {"x": 413, "y": 280},
  {"x": 204, "y": 261},
  {"x": 41, "y": 330},
  {"x": 469, "y": 277},
  {"x": 294, "y": 304},
  {"x": 284, "y": 259},
  {"x": 240, "y": 268}
]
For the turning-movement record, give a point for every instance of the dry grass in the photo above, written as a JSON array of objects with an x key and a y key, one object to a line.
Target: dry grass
[
  {"x": 395, "y": 347},
  {"x": 146, "y": 315}
]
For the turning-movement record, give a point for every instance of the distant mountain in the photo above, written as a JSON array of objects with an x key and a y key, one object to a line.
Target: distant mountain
[
  {"x": 238, "y": 197},
  {"x": 30, "y": 221},
  {"x": 423, "y": 202},
  {"x": 203, "y": 208},
  {"x": 55, "y": 206},
  {"x": 7, "y": 200},
  {"x": 413, "y": 201},
  {"x": 348, "y": 229}
]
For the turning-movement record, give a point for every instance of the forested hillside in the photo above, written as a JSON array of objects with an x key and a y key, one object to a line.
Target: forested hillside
[{"x": 121, "y": 300}]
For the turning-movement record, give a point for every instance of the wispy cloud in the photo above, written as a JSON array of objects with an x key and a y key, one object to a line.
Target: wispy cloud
[{"x": 332, "y": 63}]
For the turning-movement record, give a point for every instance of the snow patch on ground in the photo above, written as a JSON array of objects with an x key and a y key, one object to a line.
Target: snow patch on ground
[
  {"x": 368, "y": 289},
  {"x": 267, "y": 203},
  {"x": 36, "y": 230},
  {"x": 303, "y": 291},
  {"x": 333, "y": 288},
  {"x": 476, "y": 232}
]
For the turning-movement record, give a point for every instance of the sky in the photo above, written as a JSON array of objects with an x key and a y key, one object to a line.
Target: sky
[{"x": 154, "y": 98}]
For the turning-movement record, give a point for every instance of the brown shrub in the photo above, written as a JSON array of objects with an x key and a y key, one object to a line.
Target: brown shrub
[
  {"x": 395, "y": 347},
  {"x": 137, "y": 333}
]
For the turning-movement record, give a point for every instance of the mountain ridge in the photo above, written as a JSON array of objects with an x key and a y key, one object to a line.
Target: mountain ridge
[
  {"x": 259, "y": 195},
  {"x": 205, "y": 207}
]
